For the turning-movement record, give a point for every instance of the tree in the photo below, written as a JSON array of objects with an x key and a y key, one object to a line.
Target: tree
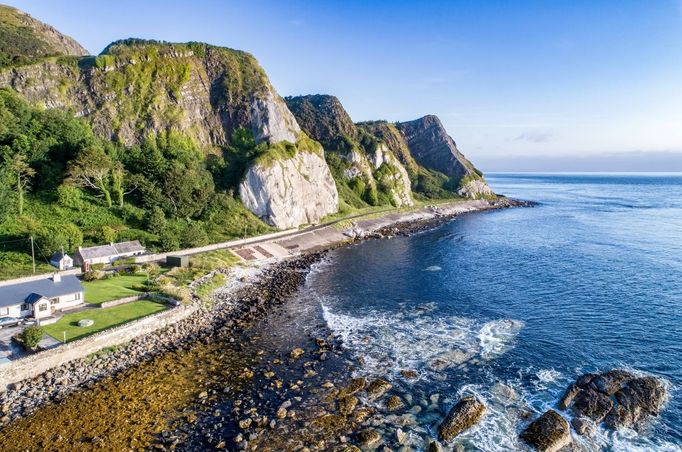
[
  {"x": 6, "y": 194},
  {"x": 31, "y": 336},
  {"x": 188, "y": 190},
  {"x": 92, "y": 169},
  {"x": 22, "y": 173},
  {"x": 156, "y": 220},
  {"x": 121, "y": 184}
]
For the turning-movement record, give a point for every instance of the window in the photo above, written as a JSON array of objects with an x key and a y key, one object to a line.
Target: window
[
  {"x": 55, "y": 300},
  {"x": 25, "y": 307},
  {"x": 78, "y": 296},
  {"x": 42, "y": 307}
]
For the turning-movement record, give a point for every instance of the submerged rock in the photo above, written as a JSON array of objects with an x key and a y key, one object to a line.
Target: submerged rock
[
  {"x": 378, "y": 388},
  {"x": 354, "y": 386},
  {"x": 461, "y": 417},
  {"x": 548, "y": 433},
  {"x": 369, "y": 437}
]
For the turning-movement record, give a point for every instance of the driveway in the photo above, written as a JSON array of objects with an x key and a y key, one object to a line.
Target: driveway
[{"x": 8, "y": 349}]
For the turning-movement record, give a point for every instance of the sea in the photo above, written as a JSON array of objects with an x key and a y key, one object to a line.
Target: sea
[{"x": 512, "y": 305}]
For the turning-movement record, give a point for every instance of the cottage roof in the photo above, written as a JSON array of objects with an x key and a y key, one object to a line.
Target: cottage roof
[
  {"x": 28, "y": 291},
  {"x": 58, "y": 256},
  {"x": 111, "y": 250}
]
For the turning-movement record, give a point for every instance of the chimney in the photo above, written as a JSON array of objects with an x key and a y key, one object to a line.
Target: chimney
[{"x": 56, "y": 277}]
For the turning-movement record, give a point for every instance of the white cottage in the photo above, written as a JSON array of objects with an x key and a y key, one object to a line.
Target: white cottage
[
  {"x": 41, "y": 298},
  {"x": 61, "y": 261},
  {"x": 107, "y": 254}
]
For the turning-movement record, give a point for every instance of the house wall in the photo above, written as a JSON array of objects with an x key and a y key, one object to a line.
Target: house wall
[
  {"x": 15, "y": 311},
  {"x": 39, "y": 312},
  {"x": 68, "y": 301}
]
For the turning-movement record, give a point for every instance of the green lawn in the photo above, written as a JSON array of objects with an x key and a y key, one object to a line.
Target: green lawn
[
  {"x": 104, "y": 318},
  {"x": 97, "y": 292}
]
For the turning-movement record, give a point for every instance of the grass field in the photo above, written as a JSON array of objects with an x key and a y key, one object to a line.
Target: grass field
[
  {"x": 103, "y": 318},
  {"x": 97, "y": 292}
]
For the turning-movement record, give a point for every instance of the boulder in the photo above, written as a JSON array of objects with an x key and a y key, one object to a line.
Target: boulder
[
  {"x": 378, "y": 388},
  {"x": 610, "y": 382},
  {"x": 548, "y": 433},
  {"x": 568, "y": 397},
  {"x": 354, "y": 386},
  {"x": 592, "y": 404},
  {"x": 347, "y": 404},
  {"x": 617, "y": 397},
  {"x": 584, "y": 426},
  {"x": 642, "y": 397},
  {"x": 464, "y": 415}
]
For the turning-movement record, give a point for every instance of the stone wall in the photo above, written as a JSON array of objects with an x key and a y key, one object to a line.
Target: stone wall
[
  {"x": 109, "y": 304},
  {"x": 33, "y": 365}
]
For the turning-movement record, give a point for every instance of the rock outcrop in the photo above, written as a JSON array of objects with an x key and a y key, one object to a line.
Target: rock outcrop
[
  {"x": 364, "y": 158},
  {"x": 288, "y": 192},
  {"x": 24, "y": 39},
  {"x": 464, "y": 415},
  {"x": 136, "y": 88},
  {"x": 548, "y": 433},
  {"x": 433, "y": 148},
  {"x": 618, "y": 398}
]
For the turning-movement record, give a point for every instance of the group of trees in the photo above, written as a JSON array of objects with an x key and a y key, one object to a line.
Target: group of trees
[{"x": 162, "y": 187}]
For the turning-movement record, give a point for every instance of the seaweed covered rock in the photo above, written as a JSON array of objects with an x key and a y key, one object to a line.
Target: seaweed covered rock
[{"x": 464, "y": 415}]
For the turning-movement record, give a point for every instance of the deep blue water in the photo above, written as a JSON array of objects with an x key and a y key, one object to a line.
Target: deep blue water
[{"x": 588, "y": 280}]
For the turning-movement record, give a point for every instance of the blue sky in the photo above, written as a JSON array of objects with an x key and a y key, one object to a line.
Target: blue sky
[{"x": 506, "y": 77}]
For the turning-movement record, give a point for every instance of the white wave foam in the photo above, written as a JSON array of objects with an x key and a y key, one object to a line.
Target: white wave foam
[
  {"x": 433, "y": 268},
  {"x": 497, "y": 336},
  {"x": 411, "y": 339}
]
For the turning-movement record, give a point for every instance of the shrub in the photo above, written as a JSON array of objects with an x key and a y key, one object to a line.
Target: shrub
[
  {"x": 31, "y": 336},
  {"x": 169, "y": 240},
  {"x": 93, "y": 275},
  {"x": 151, "y": 268},
  {"x": 69, "y": 196},
  {"x": 106, "y": 234},
  {"x": 194, "y": 236},
  {"x": 54, "y": 237}
]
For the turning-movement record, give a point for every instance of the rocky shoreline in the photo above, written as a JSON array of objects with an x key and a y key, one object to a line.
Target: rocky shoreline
[{"x": 235, "y": 312}]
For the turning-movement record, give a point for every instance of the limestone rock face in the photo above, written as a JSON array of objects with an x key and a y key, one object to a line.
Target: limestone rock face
[
  {"x": 291, "y": 192},
  {"x": 324, "y": 119},
  {"x": 394, "y": 176},
  {"x": 271, "y": 120},
  {"x": 474, "y": 188}
]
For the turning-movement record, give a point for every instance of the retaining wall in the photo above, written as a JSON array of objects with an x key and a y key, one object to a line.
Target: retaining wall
[
  {"x": 33, "y": 365},
  {"x": 213, "y": 247},
  {"x": 109, "y": 304}
]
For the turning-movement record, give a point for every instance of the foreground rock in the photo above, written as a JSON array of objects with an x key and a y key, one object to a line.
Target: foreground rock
[
  {"x": 548, "y": 433},
  {"x": 461, "y": 417},
  {"x": 618, "y": 398}
]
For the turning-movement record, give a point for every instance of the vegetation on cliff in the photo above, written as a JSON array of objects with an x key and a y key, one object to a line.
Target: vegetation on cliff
[
  {"x": 64, "y": 186},
  {"x": 24, "y": 40}
]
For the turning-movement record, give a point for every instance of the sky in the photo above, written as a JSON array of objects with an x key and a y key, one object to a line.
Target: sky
[{"x": 510, "y": 80}]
